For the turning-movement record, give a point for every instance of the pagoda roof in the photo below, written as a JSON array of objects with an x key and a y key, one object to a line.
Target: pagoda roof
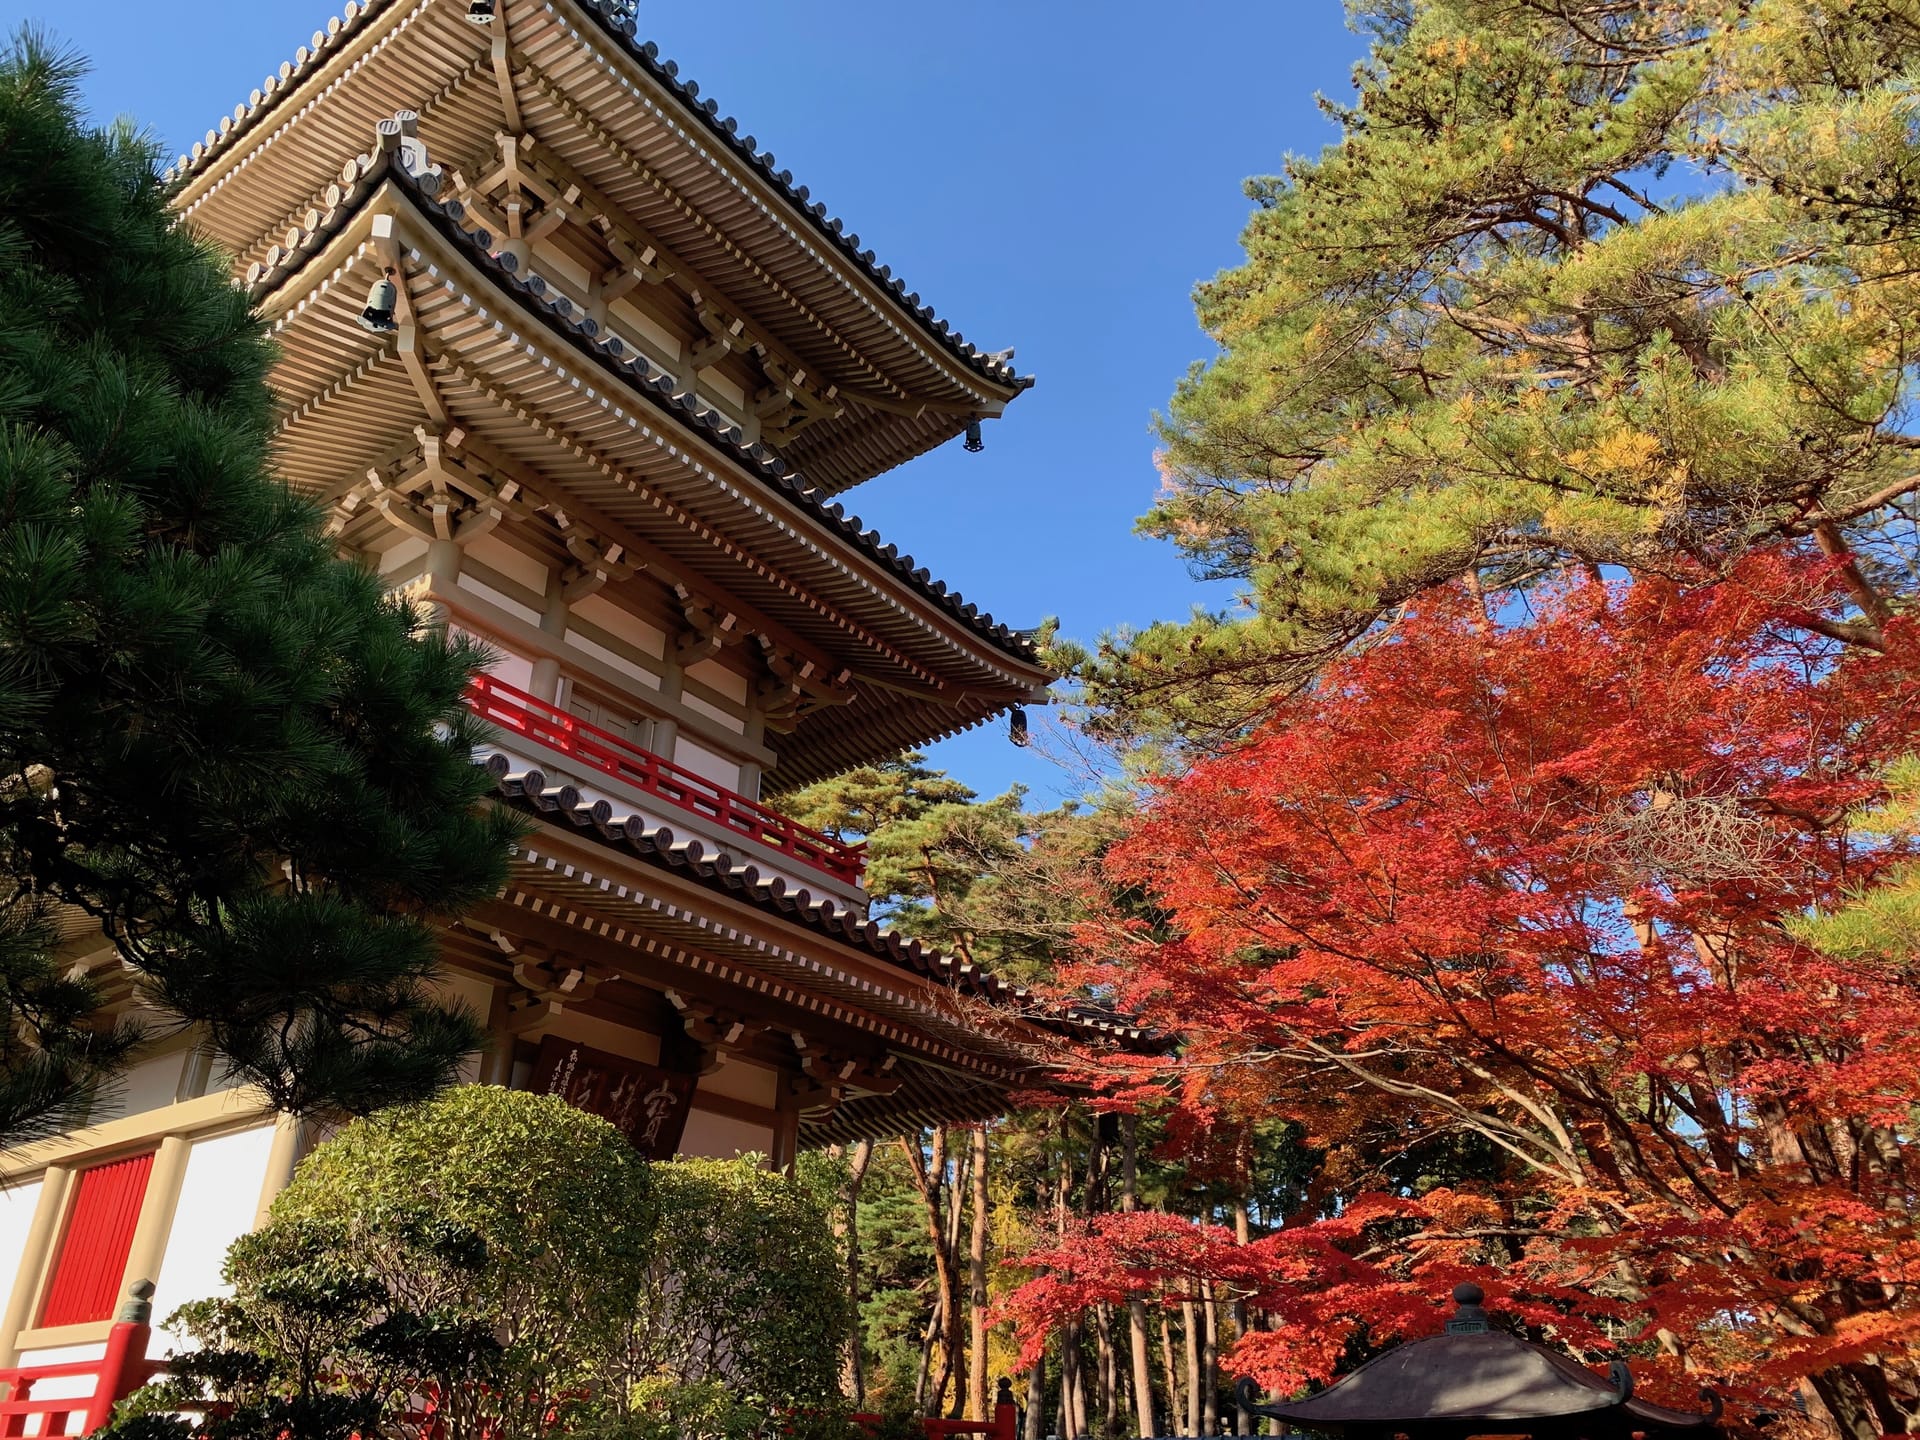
[
  {"x": 781, "y": 247},
  {"x": 782, "y": 479},
  {"x": 1476, "y": 1378},
  {"x": 980, "y": 1034},
  {"x": 827, "y": 915},
  {"x": 739, "y": 503}
]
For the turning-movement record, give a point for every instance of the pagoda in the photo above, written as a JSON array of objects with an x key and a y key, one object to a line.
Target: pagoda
[{"x": 567, "y": 357}]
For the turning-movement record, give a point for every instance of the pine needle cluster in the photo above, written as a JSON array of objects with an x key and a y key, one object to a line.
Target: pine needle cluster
[{"x": 223, "y": 745}]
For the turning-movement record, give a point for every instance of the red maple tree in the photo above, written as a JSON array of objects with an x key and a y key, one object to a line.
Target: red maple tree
[{"x": 1525, "y": 883}]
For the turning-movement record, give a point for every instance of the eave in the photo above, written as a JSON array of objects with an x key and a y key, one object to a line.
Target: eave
[
  {"x": 982, "y": 1018},
  {"x": 520, "y": 380},
  {"x": 613, "y": 109}
]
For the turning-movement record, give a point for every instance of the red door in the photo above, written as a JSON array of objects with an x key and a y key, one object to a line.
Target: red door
[{"x": 90, "y": 1265}]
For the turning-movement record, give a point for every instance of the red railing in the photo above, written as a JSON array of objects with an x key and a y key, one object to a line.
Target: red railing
[
  {"x": 115, "y": 1375},
  {"x": 124, "y": 1368},
  {"x": 531, "y": 718},
  {"x": 1005, "y": 1424}
]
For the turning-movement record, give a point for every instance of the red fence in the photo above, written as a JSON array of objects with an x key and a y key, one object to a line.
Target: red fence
[
  {"x": 1005, "y": 1424},
  {"x": 124, "y": 1368},
  {"x": 116, "y": 1375},
  {"x": 531, "y": 718}
]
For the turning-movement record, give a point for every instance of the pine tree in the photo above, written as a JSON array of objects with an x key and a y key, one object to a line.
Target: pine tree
[
  {"x": 1580, "y": 285},
  {"x": 217, "y": 740}
]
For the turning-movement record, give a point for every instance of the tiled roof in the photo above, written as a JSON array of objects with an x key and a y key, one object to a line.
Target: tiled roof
[
  {"x": 361, "y": 177},
  {"x": 608, "y": 16},
  {"x": 528, "y": 791}
]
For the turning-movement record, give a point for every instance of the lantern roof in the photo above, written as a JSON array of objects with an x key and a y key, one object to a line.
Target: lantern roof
[{"x": 1475, "y": 1378}]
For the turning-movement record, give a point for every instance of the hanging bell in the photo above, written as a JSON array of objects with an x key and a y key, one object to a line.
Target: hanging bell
[
  {"x": 974, "y": 443},
  {"x": 480, "y": 12},
  {"x": 380, "y": 302},
  {"x": 1017, "y": 728}
]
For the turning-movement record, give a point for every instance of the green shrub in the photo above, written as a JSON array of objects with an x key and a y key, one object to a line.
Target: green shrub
[
  {"x": 487, "y": 1247},
  {"x": 745, "y": 1288},
  {"x": 515, "y": 1258}
]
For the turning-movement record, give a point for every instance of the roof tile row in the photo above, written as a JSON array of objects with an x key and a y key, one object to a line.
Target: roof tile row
[
  {"x": 527, "y": 790},
  {"x": 611, "y": 17},
  {"x": 404, "y": 163}
]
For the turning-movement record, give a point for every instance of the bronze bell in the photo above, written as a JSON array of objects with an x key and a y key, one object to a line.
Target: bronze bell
[{"x": 381, "y": 299}]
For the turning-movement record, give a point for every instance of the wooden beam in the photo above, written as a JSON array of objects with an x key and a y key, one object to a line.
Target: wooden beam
[
  {"x": 636, "y": 551},
  {"x": 501, "y": 53}
]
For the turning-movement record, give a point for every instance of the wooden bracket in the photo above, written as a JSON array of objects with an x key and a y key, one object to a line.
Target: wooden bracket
[
  {"x": 548, "y": 986},
  {"x": 791, "y": 402},
  {"x": 725, "y": 334},
  {"x": 719, "y": 1032},
  {"x": 710, "y": 627}
]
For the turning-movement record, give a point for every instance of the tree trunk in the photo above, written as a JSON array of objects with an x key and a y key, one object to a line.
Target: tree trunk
[
  {"x": 1190, "y": 1329},
  {"x": 1210, "y": 1364},
  {"x": 1174, "y": 1407},
  {"x": 977, "y": 1387},
  {"x": 853, "y": 1370},
  {"x": 956, "y": 1333},
  {"x": 1103, "y": 1341},
  {"x": 1037, "y": 1400},
  {"x": 1079, "y": 1382},
  {"x": 1137, "y": 1343},
  {"x": 1073, "y": 1415},
  {"x": 1243, "y": 1233},
  {"x": 928, "y": 1172},
  {"x": 929, "y": 1339},
  {"x": 1852, "y": 1416}
]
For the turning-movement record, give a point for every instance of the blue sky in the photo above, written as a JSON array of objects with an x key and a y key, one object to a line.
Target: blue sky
[{"x": 1053, "y": 175}]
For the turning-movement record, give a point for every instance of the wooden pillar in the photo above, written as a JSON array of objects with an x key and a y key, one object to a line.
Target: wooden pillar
[
  {"x": 750, "y": 775},
  {"x": 553, "y": 621},
  {"x": 150, "y": 1233},
  {"x": 667, "y": 730},
  {"x": 292, "y": 1139},
  {"x": 196, "y": 1072},
  {"x": 54, "y": 1188},
  {"x": 786, "y": 1131},
  {"x": 443, "y": 573}
]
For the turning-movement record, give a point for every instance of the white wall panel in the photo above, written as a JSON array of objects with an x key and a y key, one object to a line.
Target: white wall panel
[
  {"x": 721, "y": 1137},
  {"x": 218, "y": 1198},
  {"x": 17, "y": 1204}
]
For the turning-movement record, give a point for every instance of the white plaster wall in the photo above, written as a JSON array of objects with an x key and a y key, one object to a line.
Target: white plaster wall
[
  {"x": 721, "y": 1137},
  {"x": 476, "y": 997},
  {"x": 515, "y": 670},
  {"x": 404, "y": 553},
  {"x": 473, "y": 585},
  {"x": 618, "y": 663},
  {"x": 147, "y": 1085},
  {"x": 17, "y": 1204},
  {"x": 706, "y": 764},
  {"x": 219, "y": 1196},
  {"x": 726, "y": 721},
  {"x": 514, "y": 564},
  {"x": 622, "y": 624},
  {"x": 743, "y": 1080},
  {"x": 719, "y": 679}
]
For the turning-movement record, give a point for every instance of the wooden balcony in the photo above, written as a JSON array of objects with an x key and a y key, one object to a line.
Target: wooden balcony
[{"x": 529, "y": 718}]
